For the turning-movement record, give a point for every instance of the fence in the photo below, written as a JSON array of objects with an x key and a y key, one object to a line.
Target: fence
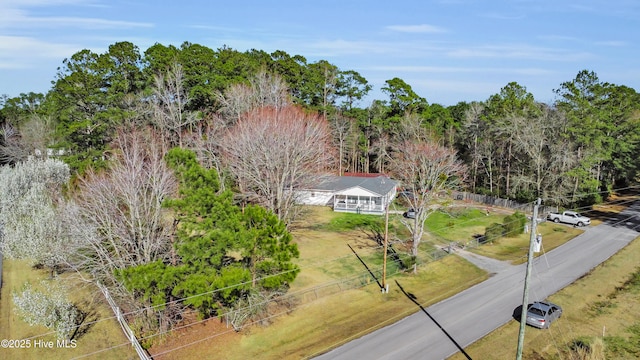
[
  {"x": 357, "y": 281},
  {"x": 123, "y": 324},
  {"x": 499, "y": 202}
]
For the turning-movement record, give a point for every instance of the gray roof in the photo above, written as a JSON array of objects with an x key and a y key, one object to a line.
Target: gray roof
[{"x": 380, "y": 185}]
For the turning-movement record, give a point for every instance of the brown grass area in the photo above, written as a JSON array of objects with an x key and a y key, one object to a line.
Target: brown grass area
[
  {"x": 102, "y": 330},
  {"x": 515, "y": 249},
  {"x": 330, "y": 321},
  {"x": 580, "y": 318},
  {"x": 317, "y": 326}
]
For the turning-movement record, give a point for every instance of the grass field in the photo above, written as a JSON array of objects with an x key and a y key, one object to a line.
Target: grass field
[
  {"x": 325, "y": 240},
  {"x": 101, "y": 330},
  {"x": 328, "y": 321},
  {"x": 514, "y": 249},
  {"x": 600, "y": 319}
]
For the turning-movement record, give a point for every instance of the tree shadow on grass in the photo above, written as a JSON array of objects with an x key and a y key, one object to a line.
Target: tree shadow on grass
[{"x": 87, "y": 317}]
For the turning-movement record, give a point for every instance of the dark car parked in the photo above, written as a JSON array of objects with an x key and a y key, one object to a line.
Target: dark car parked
[
  {"x": 410, "y": 214},
  {"x": 541, "y": 314}
]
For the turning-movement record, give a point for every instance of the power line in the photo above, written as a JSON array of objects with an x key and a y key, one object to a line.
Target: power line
[{"x": 231, "y": 286}]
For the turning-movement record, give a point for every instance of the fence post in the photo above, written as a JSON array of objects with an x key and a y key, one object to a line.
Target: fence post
[{"x": 123, "y": 324}]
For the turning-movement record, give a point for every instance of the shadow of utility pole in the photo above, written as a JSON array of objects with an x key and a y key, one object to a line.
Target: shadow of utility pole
[
  {"x": 366, "y": 267},
  {"x": 413, "y": 298}
]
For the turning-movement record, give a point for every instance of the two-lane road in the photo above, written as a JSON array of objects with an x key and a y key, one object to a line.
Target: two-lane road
[{"x": 473, "y": 313}]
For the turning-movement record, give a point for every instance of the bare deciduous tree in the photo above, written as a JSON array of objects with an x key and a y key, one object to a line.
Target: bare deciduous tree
[
  {"x": 206, "y": 142},
  {"x": 272, "y": 152},
  {"x": 169, "y": 103},
  {"x": 270, "y": 90},
  {"x": 341, "y": 126},
  {"x": 544, "y": 156},
  {"x": 264, "y": 90},
  {"x": 12, "y": 147},
  {"x": 425, "y": 170},
  {"x": 120, "y": 213}
]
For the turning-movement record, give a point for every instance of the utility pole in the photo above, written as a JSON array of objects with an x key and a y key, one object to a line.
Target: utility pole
[
  {"x": 385, "y": 288},
  {"x": 525, "y": 295}
]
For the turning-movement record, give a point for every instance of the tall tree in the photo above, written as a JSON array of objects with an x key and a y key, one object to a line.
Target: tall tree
[
  {"x": 541, "y": 150},
  {"x": 201, "y": 79},
  {"x": 341, "y": 126},
  {"x": 352, "y": 87},
  {"x": 474, "y": 134},
  {"x": 91, "y": 96},
  {"x": 402, "y": 98},
  {"x": 272, "y": 152},
  {"x": 426, "y": 170},
  {"x": 292, "y": 69},
  {"x": 602, "y": 122},
  {"x": 120, "y": 211},
  {"x": 169, "y": 105},
  {"x": 321, "y": 86},
  {"x": 223, "y": 253},
  {"x": 264, "y": 90},
  {"x": 512, "y": 102}
]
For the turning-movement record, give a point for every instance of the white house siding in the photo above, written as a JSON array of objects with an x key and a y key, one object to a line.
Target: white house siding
[
  {"x": 358, "y": 200},
  {"x": 367, "y": 195},
  {"x": 308, "y": 197}
]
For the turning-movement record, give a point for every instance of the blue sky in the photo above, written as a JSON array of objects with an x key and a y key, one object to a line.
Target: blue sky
[{"x": 447, "y": 50}]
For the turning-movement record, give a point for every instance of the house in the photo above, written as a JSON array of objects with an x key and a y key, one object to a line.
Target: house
[{"x": 360, "y": 193}]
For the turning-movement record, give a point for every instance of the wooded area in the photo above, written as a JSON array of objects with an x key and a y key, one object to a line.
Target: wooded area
[{"x": 169, "y": 174}]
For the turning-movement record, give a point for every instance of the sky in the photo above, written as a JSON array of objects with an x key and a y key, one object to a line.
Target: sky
[{"x": 447, "y": 50}]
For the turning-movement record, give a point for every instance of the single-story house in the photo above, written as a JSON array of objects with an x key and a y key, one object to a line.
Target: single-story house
[{"x": 362, "y": 193}]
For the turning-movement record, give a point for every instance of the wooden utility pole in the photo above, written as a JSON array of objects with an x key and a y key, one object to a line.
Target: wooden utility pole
[
  {"x": 385, "y": 288},
  {"x": 525, "y": 294}
]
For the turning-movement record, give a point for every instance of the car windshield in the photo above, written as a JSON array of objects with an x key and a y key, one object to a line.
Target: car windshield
[{"x": 536, "y": 311}]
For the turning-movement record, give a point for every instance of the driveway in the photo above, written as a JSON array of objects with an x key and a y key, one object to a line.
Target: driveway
[{"x": 447, "y": 327}]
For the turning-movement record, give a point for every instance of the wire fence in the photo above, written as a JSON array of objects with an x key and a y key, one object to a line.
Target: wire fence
[
  {"x": 359, "y": 280},
  {"x": 123, "y": 324},
  {"x": 500, "y": 202}
]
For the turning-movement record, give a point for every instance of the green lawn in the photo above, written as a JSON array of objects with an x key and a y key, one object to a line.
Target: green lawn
[
  {"x": 515, "y": 249},
  {"x": 600, "y": 319},
  {"x": 329, "y": 310}
]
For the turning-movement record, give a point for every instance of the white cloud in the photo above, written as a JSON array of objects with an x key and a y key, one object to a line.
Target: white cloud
[
  {"x": 457, "y": 70},
  {"x": 19, "y": 52},
  {"x": 613, "y": 43},
  {"x": 85, "y": 23},
  {"x": 13, "y": 14},
  {"x": 502, "y": 16},
  {"x": 423, "y": 28},
  {"x": 519, "y": 51}
]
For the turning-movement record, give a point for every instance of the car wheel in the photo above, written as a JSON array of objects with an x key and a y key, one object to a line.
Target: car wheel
[
  {"x": 556, "y": 220},
  {"x": 580, "y": 224}
]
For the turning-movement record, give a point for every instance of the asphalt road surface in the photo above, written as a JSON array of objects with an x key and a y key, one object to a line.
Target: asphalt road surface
[{"x": 447, "y": 327}]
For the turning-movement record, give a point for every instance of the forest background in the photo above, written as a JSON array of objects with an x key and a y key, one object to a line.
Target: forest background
[{"x": 168, "y": 173}]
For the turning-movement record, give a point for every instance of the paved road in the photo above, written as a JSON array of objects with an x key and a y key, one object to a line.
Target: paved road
[{"x": 443, "y": 329}]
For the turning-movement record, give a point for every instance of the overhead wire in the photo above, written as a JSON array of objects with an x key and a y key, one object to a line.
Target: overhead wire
[{"x": 317, "y": 264}]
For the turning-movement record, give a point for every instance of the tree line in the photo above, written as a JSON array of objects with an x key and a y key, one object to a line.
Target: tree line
[
  {"x": 170, "y": 174},
  {"x": 567, "y": 152}
]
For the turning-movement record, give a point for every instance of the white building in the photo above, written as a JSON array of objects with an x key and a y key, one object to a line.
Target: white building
[{"x": 367, "y": 193}]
